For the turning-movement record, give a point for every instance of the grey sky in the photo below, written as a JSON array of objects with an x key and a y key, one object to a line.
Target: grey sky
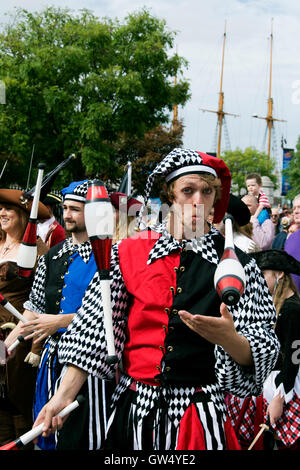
[{"x": 200, "y": 27}]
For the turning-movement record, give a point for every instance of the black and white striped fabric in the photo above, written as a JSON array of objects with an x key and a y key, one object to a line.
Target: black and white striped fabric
[
  {"x": 159, "y": 425},
  {"x": 94, "y": 429}
]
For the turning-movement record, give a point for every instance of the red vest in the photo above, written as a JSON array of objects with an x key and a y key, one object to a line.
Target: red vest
[
  {"x": 151, "y": 302},
  {"x": 160, "y": 348}
]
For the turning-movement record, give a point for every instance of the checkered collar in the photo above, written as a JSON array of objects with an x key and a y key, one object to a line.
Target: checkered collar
[
  {"x": 166, "y": 244},
  {"x": 83, "y": 249}
]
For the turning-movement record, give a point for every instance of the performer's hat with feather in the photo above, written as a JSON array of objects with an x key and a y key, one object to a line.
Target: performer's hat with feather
[
  {"x": 15, "y": 196},
  {"x": 181, "y": 162}
]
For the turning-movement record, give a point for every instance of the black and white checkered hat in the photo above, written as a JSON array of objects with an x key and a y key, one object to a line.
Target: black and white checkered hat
[
  {"x": 76, "y": 191},
  {"x": 180, "y": 162}
]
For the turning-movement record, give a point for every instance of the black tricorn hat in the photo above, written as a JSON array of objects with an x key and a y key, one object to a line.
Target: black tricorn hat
[
  {"x": 52, "y": 199},
  {"x": 239, "y": 211},
  {"x": 277, "y": 260}
]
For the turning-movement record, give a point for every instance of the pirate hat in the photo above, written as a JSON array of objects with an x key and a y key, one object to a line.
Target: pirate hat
[
  {"x": 16, "y": 197},
  {"x": 239, "y": 211},
  {"x": 277, "y": 260},
  {"x": 181, "y": 162},
  {"x": 52, "y": 199}
]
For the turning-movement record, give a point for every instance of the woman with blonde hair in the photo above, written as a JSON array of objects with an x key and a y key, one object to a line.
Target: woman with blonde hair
[
  {"x": 126, "y": 211},
  {"x": 17, "y": 378}
]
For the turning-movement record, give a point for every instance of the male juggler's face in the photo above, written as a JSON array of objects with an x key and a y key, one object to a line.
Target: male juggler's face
[
  {"x": 74, "y": 216},
  {"x": 193, "y": 199}
]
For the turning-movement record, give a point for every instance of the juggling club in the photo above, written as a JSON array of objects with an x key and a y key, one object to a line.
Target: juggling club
[
  {"x": 99, "y": 220},
  {"x": 35, "y": 432},
  {"x": 27, "y": 253},
  {"x": 229, "y": 278}
]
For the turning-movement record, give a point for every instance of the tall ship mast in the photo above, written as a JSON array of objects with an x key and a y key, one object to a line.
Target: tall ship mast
[
  {"x": 175, "y": 107},
  {"x": 220, "y": 112},
  {"x": 269, "y": 118}
]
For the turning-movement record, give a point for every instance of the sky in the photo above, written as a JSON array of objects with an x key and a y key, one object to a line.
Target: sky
[{"x": 200, "y": 27}]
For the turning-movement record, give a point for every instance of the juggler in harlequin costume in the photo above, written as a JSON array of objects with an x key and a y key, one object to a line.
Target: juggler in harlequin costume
[
  {"x": 61, "y": 280},
  {"x": 181, "y": 349}
]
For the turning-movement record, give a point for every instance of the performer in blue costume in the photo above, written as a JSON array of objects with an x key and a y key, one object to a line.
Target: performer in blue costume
[{"x": 61, "y": 280}]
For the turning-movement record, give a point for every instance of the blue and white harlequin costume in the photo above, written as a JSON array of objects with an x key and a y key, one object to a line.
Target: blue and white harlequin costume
[{"x": 62, "y": 277}]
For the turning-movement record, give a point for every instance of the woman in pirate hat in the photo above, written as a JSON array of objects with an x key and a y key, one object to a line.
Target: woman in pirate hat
[
  {"x": 171, "y": 390},
  {"x": 280, "y": 402},
  {"x": 17, "y": 388}
]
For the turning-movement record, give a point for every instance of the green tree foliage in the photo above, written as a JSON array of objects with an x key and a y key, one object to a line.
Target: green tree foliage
[
  {"x": 146, "y": 152},
  {"x": 240, "y": 163},
  {"x": 293, "y": 173},
  {"x": 75, "y": 84}
]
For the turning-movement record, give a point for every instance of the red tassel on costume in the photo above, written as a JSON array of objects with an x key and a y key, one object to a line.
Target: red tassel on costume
[{"x": 191, "y": 434}]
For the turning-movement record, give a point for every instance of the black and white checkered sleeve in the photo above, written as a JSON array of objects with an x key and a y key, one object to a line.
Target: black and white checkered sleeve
[
  {"x": 36, "y": 301},
  {"x": 254, "y": 317},
  {"x": 84, "y": 343}
]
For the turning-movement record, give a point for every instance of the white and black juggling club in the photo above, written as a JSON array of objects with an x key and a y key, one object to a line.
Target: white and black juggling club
[
  {"x": 10, "y": 308},
  {"x": 27, "y": 253},
  {"x": 37, "y": 431},
  {"x": 229, "y": 278},
  {"x": 99, "y": 221}
]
